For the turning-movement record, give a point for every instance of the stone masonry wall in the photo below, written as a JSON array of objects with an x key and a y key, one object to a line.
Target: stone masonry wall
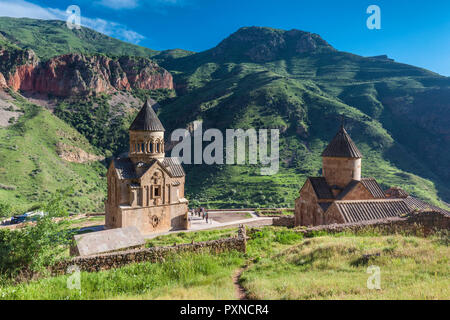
[
  {"x": 340, "y": 171},
  {"x": 287, "y": 221},
  {"x": 418, "y": 223},
  {"x": 155, "y": 254}
]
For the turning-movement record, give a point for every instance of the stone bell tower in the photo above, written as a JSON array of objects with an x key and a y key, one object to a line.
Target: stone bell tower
[
  {"x": 146, "y": 136},
  {"x": 341, "y": 160}
]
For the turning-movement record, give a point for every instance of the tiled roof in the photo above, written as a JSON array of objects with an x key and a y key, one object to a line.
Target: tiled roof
[
  {"x": 396, "y": 192},
  {"x": 369, "y": 183},
  {"x": 147, "y": 120},
  {"x": 374, "y": 188},
  {"x": 414, "y": 204},
  {"x": 342, "y": 146},
  {"x": 321, "y": 188},
  {"x": 325, "y": 205},
  {"x": 363, "y": 210},
  {"x": 348, "y": 188},
  {"x": 174, "y": 167},
  {"x": 126, "y": 169}
]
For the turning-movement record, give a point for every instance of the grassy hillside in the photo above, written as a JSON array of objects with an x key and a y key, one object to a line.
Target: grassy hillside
[
  {"x": 280, "y": 265},
  {"x": 336, "y": 267},
  {"x": 302, "y": 88},
  {"x": 31, "y": 170},
  {"x": 49, "y": 38}
]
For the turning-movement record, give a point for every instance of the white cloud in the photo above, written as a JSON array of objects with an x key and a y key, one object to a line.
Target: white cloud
[
  {"x": 132, "y": 4},
  {"x": 119, "y": 4},
  {"x": 25, "y": 9},
  {"x": 112, "y": 29}
]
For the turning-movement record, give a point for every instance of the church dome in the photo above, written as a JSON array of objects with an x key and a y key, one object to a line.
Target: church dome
[
  {"x": 342, "y": 146},
  {"x": 147, "y": 120}
]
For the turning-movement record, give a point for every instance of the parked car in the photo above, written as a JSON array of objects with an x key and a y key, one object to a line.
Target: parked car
[
  {"x": 18, "y": 219},
  {"x": 33, "y": 216},
  {"x": 29, "y": 216}
]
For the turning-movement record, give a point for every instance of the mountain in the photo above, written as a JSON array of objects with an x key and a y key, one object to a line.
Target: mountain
[
  {"x": 41, "y": 154},
  {"x": 258, "y": 77},
  {"x": 258, "y": 44},
  {"x": 49, "y": 38},
  {"x": 295, "y": 81},
  {"x": 74, "y": 108}
]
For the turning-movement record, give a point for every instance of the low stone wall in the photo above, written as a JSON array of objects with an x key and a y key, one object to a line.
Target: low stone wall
[
  {"x": 155, "y": 254},
  {"x": 251, "y": 209},
  {"x": 417, "y": 223},
  {"x": 287, "y": 221}
]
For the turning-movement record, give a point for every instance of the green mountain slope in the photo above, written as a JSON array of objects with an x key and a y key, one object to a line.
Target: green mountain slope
[
  {"x": 49, "y": 38},
  {"x": 399, "y": 115},
  {"x": 31, "y": 169},
  {"x": 292, "y": 80}
]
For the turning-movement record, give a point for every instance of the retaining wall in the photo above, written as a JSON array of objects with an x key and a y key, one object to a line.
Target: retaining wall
[
  {"x": 417, "y": 223},
  {"x": 287, "y": 221},
  {"x": 155, "y": 254}
]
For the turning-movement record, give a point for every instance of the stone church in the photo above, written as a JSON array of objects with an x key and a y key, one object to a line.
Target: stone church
[
  {"x": 146, "y": 189},
  {"x": 342, "y": 196}
]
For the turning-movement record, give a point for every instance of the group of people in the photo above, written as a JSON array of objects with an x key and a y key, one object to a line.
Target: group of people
[{"x": 201, "y": 212}]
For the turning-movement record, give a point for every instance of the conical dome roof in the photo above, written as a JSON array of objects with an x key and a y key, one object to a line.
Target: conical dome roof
[
  {"x": 342, "y": 146},
  {"x": 147, "y": 120}
]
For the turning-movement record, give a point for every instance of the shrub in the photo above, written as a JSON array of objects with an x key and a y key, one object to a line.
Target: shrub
[
  {"x": 5, "y": 209},
  {"x": 29, "y": 250},
  {"x": 288, "y": 237}
]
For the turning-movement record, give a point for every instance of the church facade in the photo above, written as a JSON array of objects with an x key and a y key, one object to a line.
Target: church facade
[
  {"x": 146, "y": 189},
  {"x": 341, "y": 195}
]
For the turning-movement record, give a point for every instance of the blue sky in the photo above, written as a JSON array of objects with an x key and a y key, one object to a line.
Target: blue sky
[{"x": 412, "y": 31}]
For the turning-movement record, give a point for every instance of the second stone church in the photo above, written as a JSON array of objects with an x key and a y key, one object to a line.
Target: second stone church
[
  {"x": 146, "y": 189},
  {"x": 341, "y": 195}
]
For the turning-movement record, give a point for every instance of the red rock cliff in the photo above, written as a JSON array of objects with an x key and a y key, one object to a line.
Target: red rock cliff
[{"x": 78, "y": 74}]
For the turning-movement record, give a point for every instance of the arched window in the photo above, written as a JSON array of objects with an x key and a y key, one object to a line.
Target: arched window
[{"x": 157, "y": 146}]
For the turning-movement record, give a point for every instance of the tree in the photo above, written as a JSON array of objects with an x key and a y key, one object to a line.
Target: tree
[
  {"x": 5, "y": 209},
  {"x": 33, "y": 248}
]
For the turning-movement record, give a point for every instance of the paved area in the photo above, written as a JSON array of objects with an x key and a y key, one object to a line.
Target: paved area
[
  {"x": 233, "y": 220},
  {"x": 218, "y": 220}
]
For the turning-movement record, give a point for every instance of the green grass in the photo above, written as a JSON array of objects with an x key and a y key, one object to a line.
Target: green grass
[
  {"x": 86, "y": 220},
  {"x": 188, "y": 237},
  {"x": 29, "y": 162},
  {"x": 283, "y": 265},
  {"x": 187, "y": 276},
  {"x": 329, "y": 267},
  {"x": 280, "y": 213}
]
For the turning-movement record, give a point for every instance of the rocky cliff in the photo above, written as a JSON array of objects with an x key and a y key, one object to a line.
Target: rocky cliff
[{"x": 78, "y": 74}]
